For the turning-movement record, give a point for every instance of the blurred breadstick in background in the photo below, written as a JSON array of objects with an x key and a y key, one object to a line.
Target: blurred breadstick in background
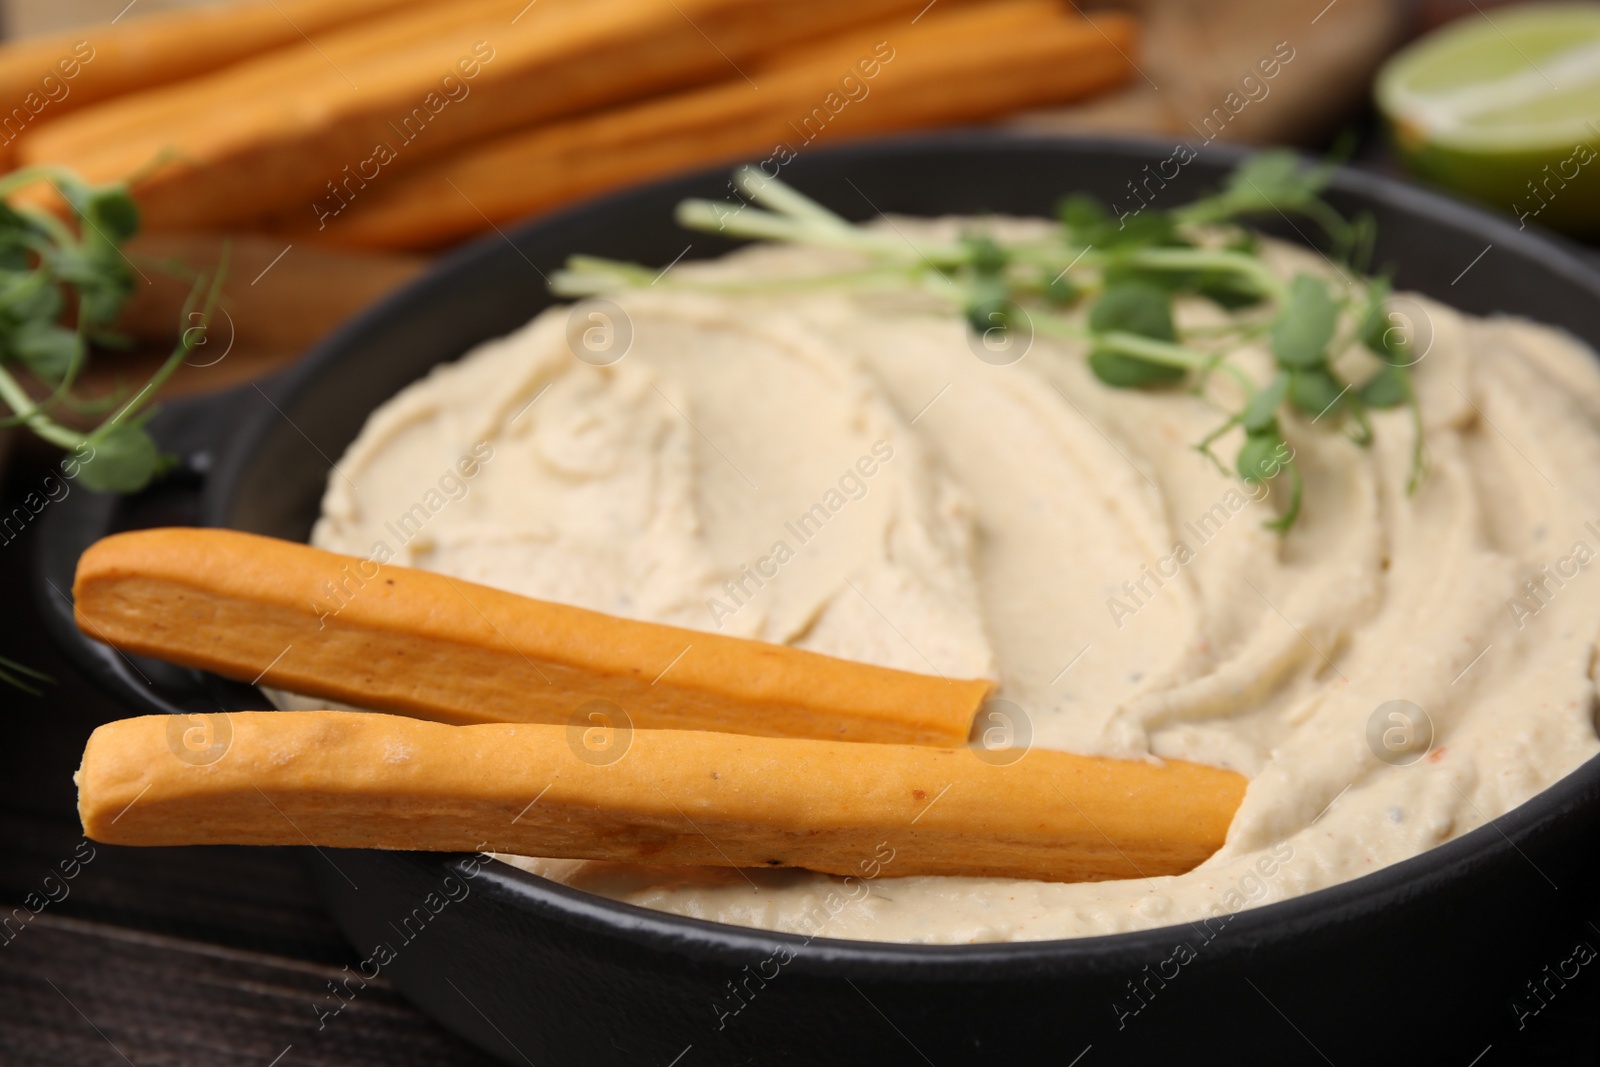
[
  {"x": 954, "y": 66},
  {"x": 380, "y": 129},
  {"x": 395, "y": 124},
  {"x": 44, "y": 78},
  {"x": 269, "y": 133}
]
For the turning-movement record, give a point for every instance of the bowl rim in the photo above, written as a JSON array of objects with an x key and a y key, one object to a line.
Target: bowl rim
[{"x": 1278, "y": 921}]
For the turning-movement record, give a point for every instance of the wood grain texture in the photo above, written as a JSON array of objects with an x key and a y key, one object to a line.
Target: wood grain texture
[
  {"x": 88, "y": 993},
  {"x": 252, "y": 899}
]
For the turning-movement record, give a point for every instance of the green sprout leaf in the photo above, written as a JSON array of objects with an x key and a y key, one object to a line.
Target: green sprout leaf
[
  {"x": 1227, "y": 290},
  {"x": 1277, "y": 182},
  {"x": 989, "y": 304},
  {"x": 1146, "y": 229},
  {"x": 1274, "y": 180},
  {"x": 1262, "y": 457},
  {"x": 49, "y": 351},
  {"x": 101, "y": 299},
  {"x": 1130, "y": 372},
  {"x": 1134, "y": 307},
  {"x": 125, "y": 459},
  {"x": 1305, "y": 324},
  {"x": 1261, "y": 414},
  {"x": 1244, "y": 241},
  {"x": 1062, "y": 291},
  {"x": 1088, "y": 222},
  {"x": 985, "y": 315},
  {"x": 1382, "y": 336},
  {"x": 112, "y": 213},
  {"x": 1389, "y": 388},
  {"x": 1314, "y": 389},
  {"x": 1080, "y": 212},
  {"x": 1141, "y": 309},
  {"x": 987, "y": 256},
  {"x": 31, "y": 296}
]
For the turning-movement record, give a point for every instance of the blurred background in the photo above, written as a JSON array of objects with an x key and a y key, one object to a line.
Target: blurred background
[
  {"x": 341, "y": 143},
  {"x": 300, "y": 158},
  {"x": 365, "y": 135}
]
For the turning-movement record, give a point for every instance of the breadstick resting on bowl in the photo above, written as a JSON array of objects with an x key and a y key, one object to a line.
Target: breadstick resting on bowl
[{"x": 760, "y": 756}]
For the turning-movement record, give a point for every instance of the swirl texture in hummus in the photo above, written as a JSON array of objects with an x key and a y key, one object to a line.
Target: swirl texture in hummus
[{"x": 837, "y": 471}]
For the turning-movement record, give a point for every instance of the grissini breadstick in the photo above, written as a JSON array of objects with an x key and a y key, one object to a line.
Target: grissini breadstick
[
  {"x": 44, "y": 78},
  {"x": 965, "y": 65},
  {"x": 352, "y": 780},
  {"x": 255, "y": 82},
  {"x": 398, "y": 639},
  {"x": 278, "y": 131}
]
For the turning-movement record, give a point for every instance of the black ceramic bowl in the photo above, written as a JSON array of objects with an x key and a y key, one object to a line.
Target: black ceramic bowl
[{"x": 1427, "y": 959}]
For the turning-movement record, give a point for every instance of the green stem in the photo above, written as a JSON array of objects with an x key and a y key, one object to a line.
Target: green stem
[
  {"x": 1152, "y": 351},
  {"x": 1055, "y": 255},
  {"x": 711, "y": 216},
  {"x": 180, "y": 352},
  {"x": 589, "y": 275},
  {"x": 1204, "y": 446},
  {"x": 64, "y": 388},
  {"x": 1419, "y": 458},
  {"x": 785, "y": 199},
  {"x": 10, "y": 670},
  {"x": 18, "y": 400},
  {"x": 37, "y": 280},
  {"x": 1362, "y": 433},
  {"x": 1296, "y": 495},
  {"x": 40, "y": 172},
  {"x": 1148, "y": 349},
  {"x": 59, "y": 231},
  {"x": 1211, "y": 259}
]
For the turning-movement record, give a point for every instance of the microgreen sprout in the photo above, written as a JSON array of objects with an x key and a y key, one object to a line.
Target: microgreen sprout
[
  {"x": 21, "y": 676},
  {"x": 1125, "y": 272},
  {"x": 62, "y": 286}
]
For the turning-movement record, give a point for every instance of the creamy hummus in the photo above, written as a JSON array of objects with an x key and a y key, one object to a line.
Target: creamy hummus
[{"x": 839, "y": 472}]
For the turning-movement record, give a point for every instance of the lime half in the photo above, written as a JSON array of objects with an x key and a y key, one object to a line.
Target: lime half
[{"x": 1504, "y": 106}]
